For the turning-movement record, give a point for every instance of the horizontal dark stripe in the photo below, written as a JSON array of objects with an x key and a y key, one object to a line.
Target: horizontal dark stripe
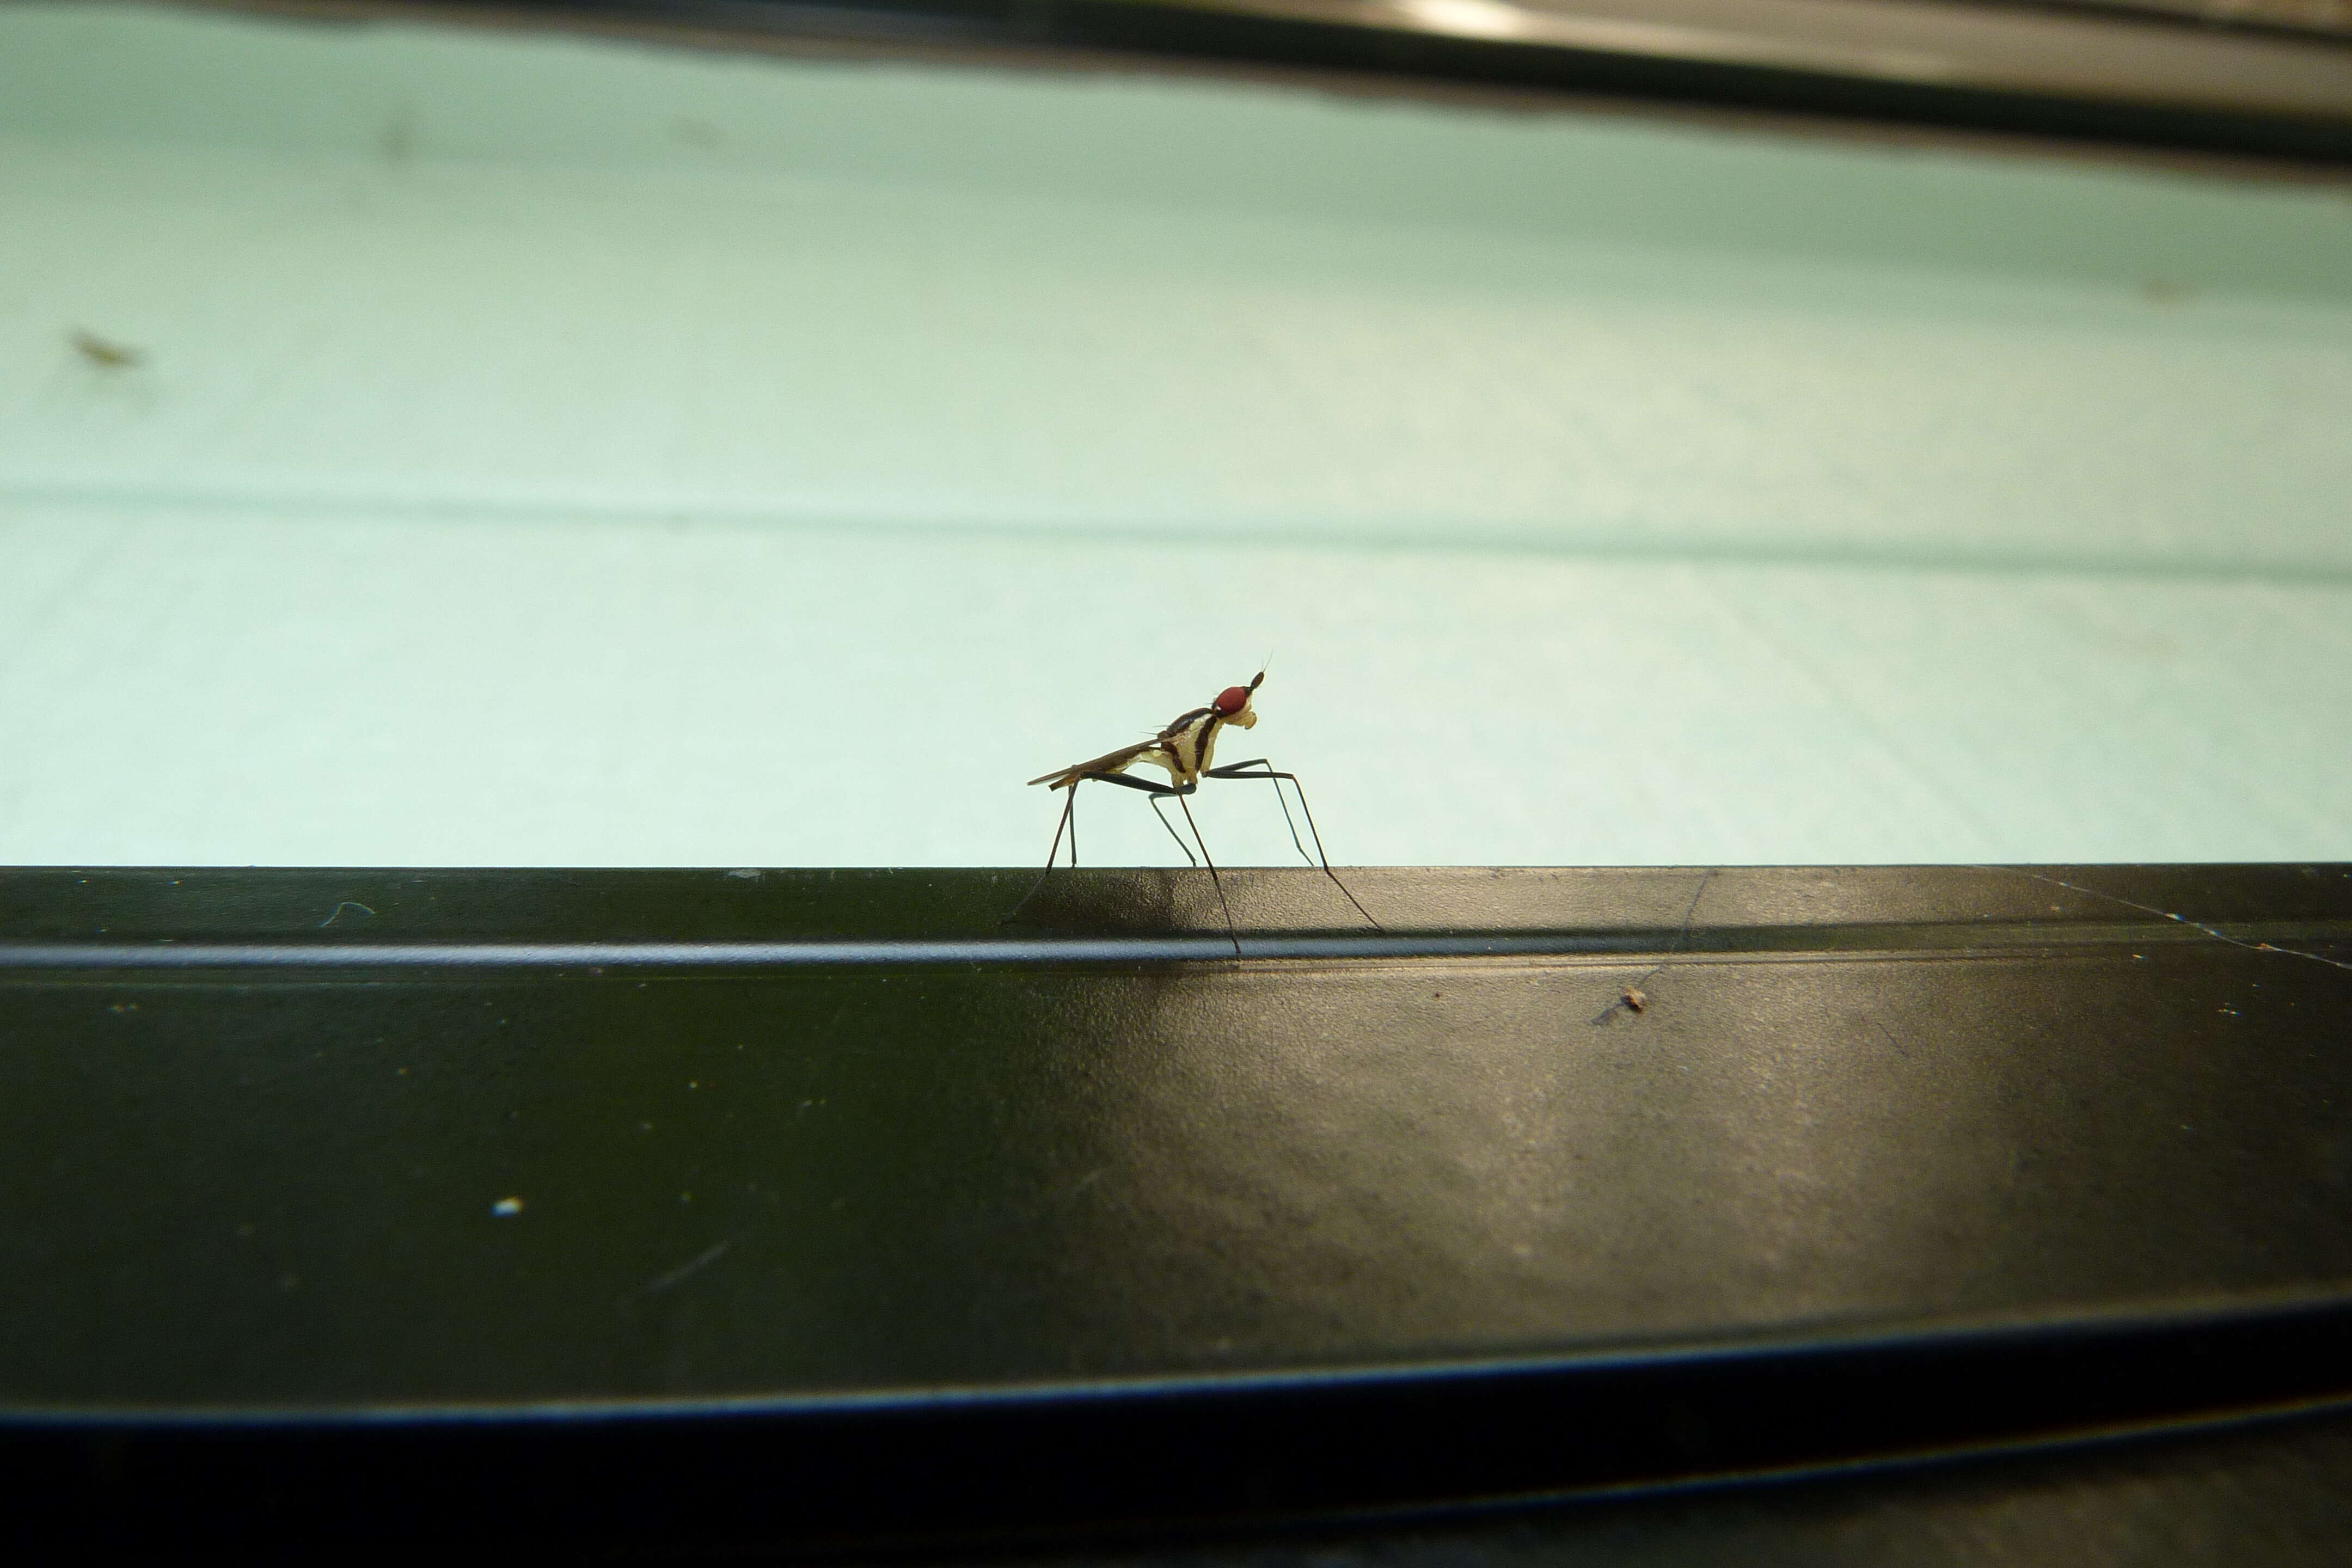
[
  {"x": 781, "y": 955},
  {"x": 1159, "y": 949},
  {"x": 2326, "y": 1305},
  {"x": 830, "y": 1472}
]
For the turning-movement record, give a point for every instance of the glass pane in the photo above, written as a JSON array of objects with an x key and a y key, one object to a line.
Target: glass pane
[{"x": 456, "y": 447}]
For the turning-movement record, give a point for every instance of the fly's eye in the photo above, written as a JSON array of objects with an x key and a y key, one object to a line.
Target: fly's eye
[{"x": 1231, "y": 699}]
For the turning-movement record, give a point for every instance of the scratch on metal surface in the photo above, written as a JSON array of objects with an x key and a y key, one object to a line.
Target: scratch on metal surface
[
  {"x": 2169, "y": 915},
  {"x": 700, "y": 1261}
]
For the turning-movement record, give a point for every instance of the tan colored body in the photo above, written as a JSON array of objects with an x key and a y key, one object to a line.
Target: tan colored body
[{"x": 1186, "y": 748}]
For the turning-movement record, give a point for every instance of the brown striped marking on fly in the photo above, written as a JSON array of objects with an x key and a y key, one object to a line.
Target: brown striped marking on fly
[{"x": 1187, "y": 747}]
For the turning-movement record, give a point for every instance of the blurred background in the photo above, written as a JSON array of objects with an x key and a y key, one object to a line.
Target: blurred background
[{"x": 609, "y": 436}]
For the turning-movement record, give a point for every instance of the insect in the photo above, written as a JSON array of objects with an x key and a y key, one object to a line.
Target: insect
[
  {"x": 1186, "y": 748},
  {"x": 106, "y": 355}
]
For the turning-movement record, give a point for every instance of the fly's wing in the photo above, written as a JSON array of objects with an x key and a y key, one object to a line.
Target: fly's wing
[
  {"x": 1108, "y": 763},
  {"x": 1119, "y": 761}
]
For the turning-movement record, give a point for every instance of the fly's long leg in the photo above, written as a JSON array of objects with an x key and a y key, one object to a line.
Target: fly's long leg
[
  {"x": 1159, "y": 792},
  {"x": 1214, "y": 880},
  {"x": 1279, "y": 799},
  {"x": 1069, "y": 819},
  {"x": 1171, "y": 831},
  {"x": 1241, "y": 771}
]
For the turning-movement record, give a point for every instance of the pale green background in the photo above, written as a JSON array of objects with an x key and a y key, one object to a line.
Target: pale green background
[{"x": 564, "y": 451}]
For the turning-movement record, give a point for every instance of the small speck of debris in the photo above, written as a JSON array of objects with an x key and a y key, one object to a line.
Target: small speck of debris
[
  {"x": 1636, "y": 998},
  {"x": 693, "y": 1083},
  {"x": 686, "y": 1197},
  {"x": 124, "y": 1007},
  {"x": 400, "y": 1072},
  {"x": 1437, "y": 996},
  {"x": 507, "y": 1208},
  {"x": 746, "y": 874},
  {"x": 103, "y": 353}
]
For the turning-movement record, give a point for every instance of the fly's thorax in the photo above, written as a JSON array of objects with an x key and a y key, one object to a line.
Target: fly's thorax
[
  {"x": 1200, "y": 741},
  {"x": 1208, "y": 743}
]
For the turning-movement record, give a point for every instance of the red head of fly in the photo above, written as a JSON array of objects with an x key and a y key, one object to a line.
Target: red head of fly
[{"x": 1234, "y": 699}]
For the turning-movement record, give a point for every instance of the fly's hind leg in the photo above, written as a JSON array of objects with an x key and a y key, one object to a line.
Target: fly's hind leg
[{"x": 1068, "y": 819}]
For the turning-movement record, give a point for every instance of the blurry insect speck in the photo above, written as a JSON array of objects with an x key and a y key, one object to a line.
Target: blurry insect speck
[
  {"x": 1636, "y": 998},
  {"x": 105, "y": 354}
]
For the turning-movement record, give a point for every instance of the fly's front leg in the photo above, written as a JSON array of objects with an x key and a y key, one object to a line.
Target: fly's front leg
[
  {"x": 1240, "y": 771},
  {"x": 1260, "y": 768}
]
